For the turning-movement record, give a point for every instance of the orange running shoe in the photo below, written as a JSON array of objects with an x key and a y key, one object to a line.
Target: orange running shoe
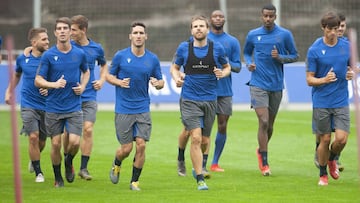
[
  {"x": 334, "y": 171},
  {"x": 216, "y": 168},
  {"x": 323, "y": 180}
]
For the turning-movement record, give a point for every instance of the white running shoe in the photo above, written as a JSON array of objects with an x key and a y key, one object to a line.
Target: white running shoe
[{"x": 40, "y": 178}]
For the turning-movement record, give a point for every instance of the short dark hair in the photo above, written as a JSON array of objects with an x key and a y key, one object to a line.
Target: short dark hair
[
  {"x": 270, "y": 7},
  {"x": 341, "y": 17},
  {"x": 33, "y": 32},
  {"x": 199, "y": 17},
  {"x": 137, "y": 23},
  {"x": 81, "y": 21},
  {"x": 65, "y": 20},
  {"x": 330, "y": 20}
]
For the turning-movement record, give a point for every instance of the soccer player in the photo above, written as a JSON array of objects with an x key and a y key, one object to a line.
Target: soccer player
[
  {"x": 94, "y": 53},
  {"x": 32, "y": 98},
  {"x": 327, "y": 71},
  {"x": 204, "y": 62},
  {"x": 341, "y": 32},
  {"x": 266, "y": 50},
  {"x": 132, "y": 69},
  {"x": 224, "y": 96},
  {"x": 64, "y": 71}
]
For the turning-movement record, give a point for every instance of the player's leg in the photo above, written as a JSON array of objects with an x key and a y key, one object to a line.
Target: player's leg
[
  {"x": 89, "y": 116},
  {"x": 182, "y": 142}
]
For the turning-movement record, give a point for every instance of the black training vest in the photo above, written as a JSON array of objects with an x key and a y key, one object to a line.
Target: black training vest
[{"x": 195, "y": 65}]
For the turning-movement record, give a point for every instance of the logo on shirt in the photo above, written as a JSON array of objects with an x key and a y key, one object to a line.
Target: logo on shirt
[
  {"x": 128, "y": 60},
  {"x": 56, "y": 58},
  {"x": 200, "y": 65},
  {"x": 27, "y": 60},
  {"x": 323, "y": 51},
  {"x": 259, "y": 38}
]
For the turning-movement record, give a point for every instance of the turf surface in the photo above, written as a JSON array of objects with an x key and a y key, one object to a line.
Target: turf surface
[{"x": 294, "y": 177}]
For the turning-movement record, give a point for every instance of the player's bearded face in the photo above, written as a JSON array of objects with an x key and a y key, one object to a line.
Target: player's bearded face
[{"x": 199, "y": 29}]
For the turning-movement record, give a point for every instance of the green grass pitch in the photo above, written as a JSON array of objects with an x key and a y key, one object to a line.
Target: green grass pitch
[{"x": 294, "y": 177}]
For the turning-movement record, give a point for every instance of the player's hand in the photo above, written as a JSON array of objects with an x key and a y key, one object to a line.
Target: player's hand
[
  {"x": 218, "y": 73},
  {"x": 274, "y": 52},
  {"x": 60, "y": 83},
  {"x": 43, "y": 91},
  {"x": 78, "y": 90},
  {"x": 180, "y": 80},
  {"x": 330, "y": 76},
  {"x": 154, "y": 82},
  {"x": 97, "y": 84},
  {"x": 349, "y": 73},
  {"x": 251, "y": 67},
  {"x": 125, "y": 83},
  {"x": 8, "y": 97}
]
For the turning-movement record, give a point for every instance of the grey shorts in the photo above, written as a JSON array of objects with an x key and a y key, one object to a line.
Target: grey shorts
[
  {"x": 89, "y": 109},
  {"x": 263, "y": 98},
  {"x": 55, "y": 123},
  {"x": 224, "y": 106},
  {"x": 198, "y": 114},
  {"x": 33, "y": 121},
  {"x": 130, "y": 126},
  {"x": 327, "y": 119}
]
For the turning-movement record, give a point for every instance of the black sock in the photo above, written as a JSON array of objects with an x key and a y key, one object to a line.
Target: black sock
[
  {"x": 57, "y": 172},
  {"x": 84, "y": 161},
  {"x": 117, "y": 162},
  {"x": 181, "y": 153},
  {"x": 332, "y": 156},
  {"x": 135, "y": 174},
  {"x": 199, "y": 177},
  {"x": 205, "y": 157},
  {"x": 69, "y": 159},
  {"x": 36, "y": 165},
  {"x": 323, "y": 170},
  {"x": 264, "y": 158}
]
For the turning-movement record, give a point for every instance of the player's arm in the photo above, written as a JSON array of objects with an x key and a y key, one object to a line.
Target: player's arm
[
  {"x": 234, "y": 59},
  {"x": 314, "y": 81},
  {"x": 176, "y": 75},
  {"x": 40, "y": 82},
  {"x": 85, "y": 76},
  {"x": 97, "y": 84},
  {"x": 12, "y": 84}
]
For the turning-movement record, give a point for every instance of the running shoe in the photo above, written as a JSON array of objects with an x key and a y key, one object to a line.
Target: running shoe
[
  {"x": 115, "y": 174},
  {"x": 201, "y": 185},
  {"x": 39, "y": 178},
  {"x": 206, "y": 173},
  {"x": 59, "y": 183},
  {"x": 69, "y": 173},
  {"x": 134, "y": 186},
  {"x": 84, "y": 174},
  {"x": 216, "y": 168},
  {"x": 323, "y": 180},
  {"x": 181, "y": 168},
  {"x": 259, "y": 159},
  {"x": 266, "y": 171},
  {"x": 334, "y": 172}
]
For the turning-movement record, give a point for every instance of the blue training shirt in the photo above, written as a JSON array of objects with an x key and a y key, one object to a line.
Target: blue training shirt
[
  {"x": 269, "y": 73},
  {"x": 232, "y": 50},
  {"x": 125, "y": 64},
  {"x": 94, "y": 53},
  {"x": 200, "y": 87},
  {"x": 53, "y": 65},
  {"x": 320, "y": 59},
  {"x": 30, "y": 95}
]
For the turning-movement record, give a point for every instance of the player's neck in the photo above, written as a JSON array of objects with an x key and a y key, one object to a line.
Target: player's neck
[
  {"x": 218, "y": 32},
  {"x": 138, "y": 51},
  {"x": 200, "y": 43},
  {"x": 330, "y": 41},
  {"x": 83, "y": 41},
  {"x": 35, "y": 52},
  {"x": 64, "y": 47}
]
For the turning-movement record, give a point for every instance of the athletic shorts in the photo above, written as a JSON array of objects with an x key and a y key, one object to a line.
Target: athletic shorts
[
  {"x": 89, "y": 109},
  {"x": 198, "y": 114},
  {"x": 262, "y": 98},
  {"x": 33, "y": 121},
  {"x": 130, "y": 126},
  {"x": 224, "y": 106},
  {"x": 55, "y": 123},
  {"x": 327, "y": 119}
]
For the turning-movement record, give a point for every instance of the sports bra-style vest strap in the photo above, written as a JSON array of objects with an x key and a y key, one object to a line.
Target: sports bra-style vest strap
[{"x": 195, "y": 65}]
